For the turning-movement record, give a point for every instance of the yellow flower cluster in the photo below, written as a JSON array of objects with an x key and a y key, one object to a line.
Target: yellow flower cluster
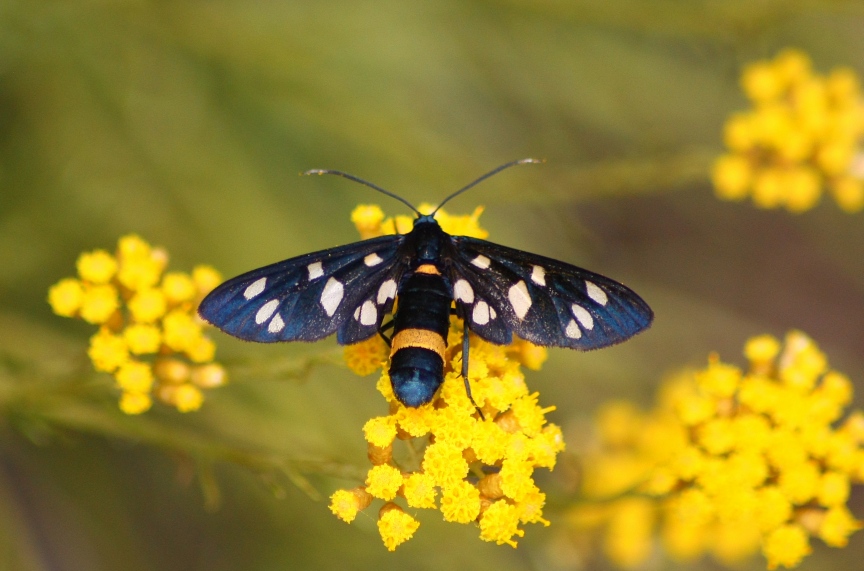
[
  {"x": 729, "y": 461},
  {"x": 149, "y": 337},
  {"x": 470, "y": 469},
  {"x": 803, "y": 134}
]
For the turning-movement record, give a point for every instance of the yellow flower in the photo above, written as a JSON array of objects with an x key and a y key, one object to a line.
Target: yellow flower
[
  {"x": 187, "y": 398},
  {"x": 346, "y": 504},
  {"x": 178, "y": 287},
  {"x": 395, "y": 526},
  {"x": 135, "y": 403},
  {"x": 500, "y": 523},
  {"x": 107, "y": 351},
  {"x": 66, "y": 297},
  {"x": 366, "y": 357},
  {"x": 787, "y": 546},
  {"x": 147, "y": 305},
  {"x": 367, "y": 219},
  {"x": 205, "y": 279},
  {"x": 383, "y": 481},
  {"x": 801, "y": 136},
  {"x": 135, "y": 377},
  {"x": 142, "y": 338},
  {"x": 509, "y": 443},
  {"x": 97, "y": 267},
  {"x": 99, "y": 303},
  {"x": 761, "y": 458},
  {"x": 460, "y": 502},
  {"x": 125, "y": 295}
]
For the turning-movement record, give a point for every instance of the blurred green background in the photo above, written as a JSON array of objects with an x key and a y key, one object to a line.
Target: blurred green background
[{"x": 188, "y": 123}]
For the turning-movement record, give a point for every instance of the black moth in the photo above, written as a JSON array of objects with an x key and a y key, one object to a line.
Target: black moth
[{"x": 497, "y": 292}]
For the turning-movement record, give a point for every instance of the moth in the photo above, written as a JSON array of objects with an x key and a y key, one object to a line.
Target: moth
[{"x": 497, "y": 291}]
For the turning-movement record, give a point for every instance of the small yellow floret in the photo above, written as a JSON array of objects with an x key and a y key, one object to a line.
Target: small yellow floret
[
  {"x": 97, "y": 267},
  {"x": 383, "y": 481},
  {"x": 209, "y": 376},
  {"x": 367, "y": 218},
  {"x": 142, "y": 338},
  {"x": 147, "y": 305},
  {"x": 65, "y": 297},
  {"x": 761, "y": 82},
  {"x": 345, "y": 504},
  {"x": 419, "y": 490},
  {"x": 732, "y": 176},
  {"x": 107, "y": 351},
  {"x": 395, "y": 526},
  {"x": 135, "y": 377},
  {"x": 380, "y": 431},
  {"x": 201, "y": 349},
  {"x": 178, "y": 287},
  {"x": 135, "y": 403},
  {"x": 837, "y": 525},
  {"x": 180, "y": 330},
  {"x": 787, "y": 546},
  {"x": 500, "y": 523},
  {"x": 187, "y": 398},
  {"x": 762, "y": 349},
  {"x": 99, "y": 303},
  {"x": 206, "y": 279},
  {"x": 366, "y": 357},
  {"x": 460, "y": 502},
  {"x": 849, "y": 193}
]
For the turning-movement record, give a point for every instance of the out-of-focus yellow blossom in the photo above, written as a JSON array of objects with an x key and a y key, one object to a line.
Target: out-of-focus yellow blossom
[
  {"x": 802, "y": 136},
  {"x": 140, "y": 313},
  {"x": 730, "y": 461},
  {"x": 481, "y": 468}
]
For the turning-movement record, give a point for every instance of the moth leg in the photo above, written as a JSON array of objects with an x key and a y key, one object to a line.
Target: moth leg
[
  {"x": 465, "y": 345},
  {"x": 384, "y": 328}
]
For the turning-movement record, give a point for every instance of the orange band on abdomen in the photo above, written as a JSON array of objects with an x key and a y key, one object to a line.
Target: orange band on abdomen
[
  {"x": 428, "y": 269},
  {"x": 422, "y": 338}
]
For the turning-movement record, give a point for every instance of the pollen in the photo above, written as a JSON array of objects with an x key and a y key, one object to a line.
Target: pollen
[
  {"x": 419, "y": 490},
  {"x": 366, "y": 357}
]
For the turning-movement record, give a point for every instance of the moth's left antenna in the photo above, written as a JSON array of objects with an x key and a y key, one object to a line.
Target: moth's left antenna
[{"x": 364, "y": 182}]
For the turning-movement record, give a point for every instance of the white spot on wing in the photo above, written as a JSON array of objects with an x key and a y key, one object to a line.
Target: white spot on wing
[
  {"x": 583, "y": 316},
  {"x": 315, "y": 270},
  {"x": 595, "y": 293},
  {"x": 463, "y": 291},
  {"x": 266, "y": 311},
  {"x": 276, "y": 324},
  {"x": 386, "y": 291},
  {"x": 372, "y": 259},
  {"x": 480, "y": 315},
  {"x": 520, "y": 299},
  {"x": 368, "y": 313},
  {"x": 572, "y": 330},
  {"x": 255, "y": 288},
  {"x": 357, "y": 313},
  {"x": 492, "y": 313},
  {"x": 481, "y": 262},
  {"x": 331, "y": 297},
  {"x": 538, "y": 275}
]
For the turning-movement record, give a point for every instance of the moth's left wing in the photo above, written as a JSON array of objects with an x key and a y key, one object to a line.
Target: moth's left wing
[
  {"x": 347, "y": 290},
  {"x": 502, "y": 291}
]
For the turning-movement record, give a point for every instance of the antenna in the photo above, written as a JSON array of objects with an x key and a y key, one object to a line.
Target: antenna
[
  {"x": 361, "y": 181},
  {"x": 484, "y": 177}
]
